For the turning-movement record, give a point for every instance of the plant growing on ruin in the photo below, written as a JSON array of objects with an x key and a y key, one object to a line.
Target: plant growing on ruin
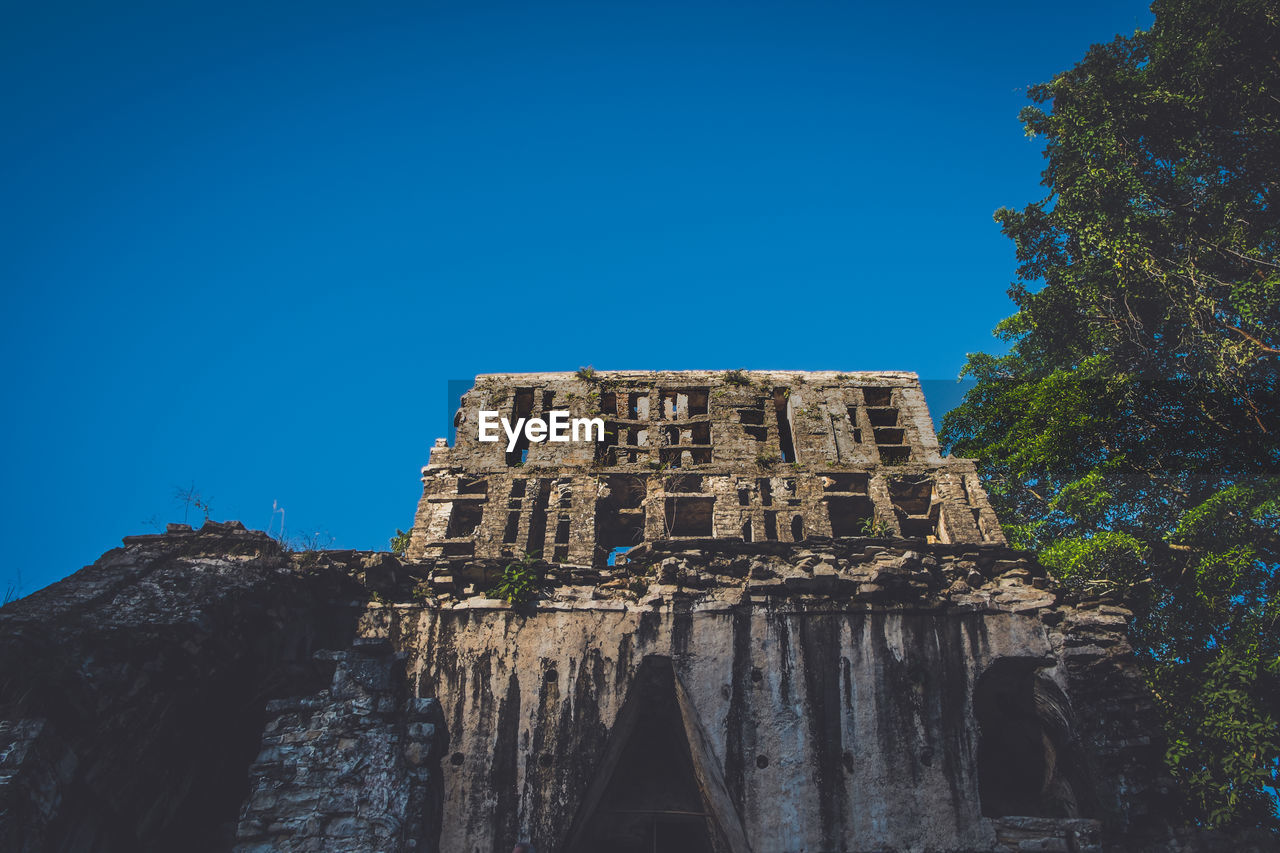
[
  {"x": 189, "y": 498},
  {"x": 767, "y": 460},
  {"x": 876, "y": 528},
  {"x": 375, "y": 597},
  {"x": 586, "y": 374},
  {"x": 519, "y": 583},
  {"x": 400, "y": 542},
  {"x": 737, "y": 377}
]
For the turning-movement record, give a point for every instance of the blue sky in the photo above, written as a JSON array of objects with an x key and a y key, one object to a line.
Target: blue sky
[{"x": 248, "y": 244}]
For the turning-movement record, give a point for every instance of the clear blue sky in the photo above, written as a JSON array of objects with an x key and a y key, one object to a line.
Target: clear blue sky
[{"x": 246, "y": 245}]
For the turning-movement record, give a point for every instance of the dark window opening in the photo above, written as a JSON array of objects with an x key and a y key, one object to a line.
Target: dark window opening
[
  {"x": 889, "y": 436},
  {"x": 746, "y": 530},
  {"x": 849, "y": 516},
  {"x": 753, "y": 416},
  {"x": 853, "y": 423},
  {"x": 766, "y": 492},
  {"x": 697, "y": 404},
  {"x": 619, "y": 518},
  {"x": 878, "y": 396},
  {"x": 473, "y": 486},
  {"x": 845, "y": 482},
  {"x": 617, "y": 531},
  {"x": 625, "y": 491},
  {"x": 913, "y": 496},
  {"x": 700, "y": 433},
  {"x": 517, "y": 488},
  {"x": 797, "y": 528},
  {"x": 883, "y": 417},
  {"x": 759, "y": 433},
  {"x": 672, "y": 434},
  {"x": 744, "y": 496},
  {"x": 1028, "y": 761},
  {"x": 609, "y": 403},
  {"x": 894, "y": 455},
  {"x": 771, "y": 525},
  {"x": 548, "y": 400},
  {"x": 914, "y": 506},
  {"x": 464, "y": 518},
  {"x": 562, "y": 529},
  {"x": 678, "y": 456},
  {"x": 520, "y": 453},
  {"x": 786, "y": 445},
  {"x": 512, "y": 530},
  {"x": 689, "y": 516},
  {"x": 538, "y": 517},
  {"x": 634, "y": 406},
  {"x": 459, "y": 549},
  {"x": 684, "y": 483}
]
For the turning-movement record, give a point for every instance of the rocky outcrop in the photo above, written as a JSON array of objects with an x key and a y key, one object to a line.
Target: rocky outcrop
[
  {"x": 353, "y": 767},
  {"x": 133, "y": 692}
]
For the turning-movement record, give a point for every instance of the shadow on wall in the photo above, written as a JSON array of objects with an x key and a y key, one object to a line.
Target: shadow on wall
[
  {"x": 1029, "y": 761},
  {"x": 658, "y": 787}
]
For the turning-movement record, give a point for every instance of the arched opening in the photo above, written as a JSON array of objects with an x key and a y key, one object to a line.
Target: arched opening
[
  {"x": 1029, "y": 762},
  {"x": 652, "y": 791}
]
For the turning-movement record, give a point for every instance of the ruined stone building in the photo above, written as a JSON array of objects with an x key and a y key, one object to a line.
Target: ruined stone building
[{"x": 763, "y": 614}]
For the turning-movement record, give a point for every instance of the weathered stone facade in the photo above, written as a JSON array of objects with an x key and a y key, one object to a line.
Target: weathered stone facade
[
  {"x": 769, "y": 616},
  {"x": 762, "y": 456}
]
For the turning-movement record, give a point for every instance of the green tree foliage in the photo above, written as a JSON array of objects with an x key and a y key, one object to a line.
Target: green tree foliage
[{"x": 1130, "y": 435}]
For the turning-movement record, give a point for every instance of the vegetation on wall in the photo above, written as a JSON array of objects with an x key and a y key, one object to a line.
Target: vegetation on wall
[
  {"x": 519, "y": 583},
  {"x": 1131, "y": 435}
]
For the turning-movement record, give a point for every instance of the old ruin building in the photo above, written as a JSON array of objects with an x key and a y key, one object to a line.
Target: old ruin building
[
  {"x": 763, "y": 614},
  {"x": 756, "y": 457}
]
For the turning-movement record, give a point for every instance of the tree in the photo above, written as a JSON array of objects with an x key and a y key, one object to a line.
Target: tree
[{"x": 1130, "y": 435}]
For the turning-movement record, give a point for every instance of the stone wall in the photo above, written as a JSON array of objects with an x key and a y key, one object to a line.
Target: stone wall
[
  {"x": 757, "y": 456},
  {"x": 828, "y": 695}
]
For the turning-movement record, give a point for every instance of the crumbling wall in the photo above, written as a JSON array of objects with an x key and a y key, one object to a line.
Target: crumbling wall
[{"x": 757, "y": 456}]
